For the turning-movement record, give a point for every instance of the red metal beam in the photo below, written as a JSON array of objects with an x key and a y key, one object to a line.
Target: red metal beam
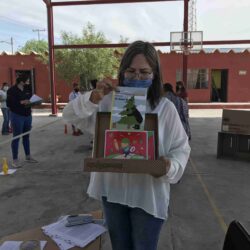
[
  {"x": 51, "y": 59},
  {"x": 50, "y": 6},
  {"x": 88, "y": 2},
  {"x": 184, "y": 55},
  {"x": 226, "y": 42},
  {"x": 111, "y": 45},
  {"x": 47, "y": 2},
  {"x": 123, "y": 45}
]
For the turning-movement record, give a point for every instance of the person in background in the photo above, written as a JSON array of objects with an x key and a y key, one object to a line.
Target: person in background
[
  {"x": 74, "y": 94},
  {"x": 21, "y": 119},
  {"x": 93, "y": 86},
  {"x": 181, "y": 90},
  {"x": 4, "y": 108},
  {"x": 181, "y": 107},
  {"x": 135, "y": 205}
]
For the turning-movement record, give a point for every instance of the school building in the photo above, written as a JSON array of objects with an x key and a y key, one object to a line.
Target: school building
[{"x": 219, "y": 75}]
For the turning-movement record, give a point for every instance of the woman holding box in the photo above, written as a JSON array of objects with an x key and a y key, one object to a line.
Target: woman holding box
[{"x": 135, "y": 205}]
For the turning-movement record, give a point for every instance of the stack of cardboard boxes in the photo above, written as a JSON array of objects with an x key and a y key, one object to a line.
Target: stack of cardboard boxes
[
  {"x": 236, "y": 121},
  {"x": 234, "y": 138}
]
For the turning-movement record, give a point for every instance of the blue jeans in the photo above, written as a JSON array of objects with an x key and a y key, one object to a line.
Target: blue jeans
[
  {"x": 131, "y": 228},
  {"x": 6, "y": 119},
  {"x": 20, "y": 124}
]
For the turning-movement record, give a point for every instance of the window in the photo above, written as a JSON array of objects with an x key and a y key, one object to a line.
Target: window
[{"x": 196, "y": 78}]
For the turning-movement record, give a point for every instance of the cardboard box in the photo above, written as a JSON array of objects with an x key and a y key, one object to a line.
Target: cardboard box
[
  {"x": 37, "y": 234},
  {"x": 99, "y": 164},
  {"x": 236, "y": 121}
]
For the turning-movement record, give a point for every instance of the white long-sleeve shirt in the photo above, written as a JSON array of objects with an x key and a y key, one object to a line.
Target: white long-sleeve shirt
[
  {"x": 73, "y": 95},
  {"x": 136, "y": 190},
  {"x": 3, "y": 98}
]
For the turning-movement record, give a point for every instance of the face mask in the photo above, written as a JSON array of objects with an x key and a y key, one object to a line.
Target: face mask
[
  {"x": 5, "y": 88},
  {"x": 137, "y": 83},
  {"x": 76, "y": 90}
]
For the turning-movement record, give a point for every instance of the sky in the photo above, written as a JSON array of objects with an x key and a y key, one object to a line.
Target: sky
[{"x": 218, "y": 19}]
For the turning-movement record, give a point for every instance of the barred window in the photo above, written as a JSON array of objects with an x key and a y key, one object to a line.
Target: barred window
[{"x": 196, "y": 78}]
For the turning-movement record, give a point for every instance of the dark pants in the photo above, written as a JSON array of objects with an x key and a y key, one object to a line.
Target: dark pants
[
  {"x": 131, "y": 228},
  {"x": 20, "y": 124},
  {"x": 6, "y": 119}
]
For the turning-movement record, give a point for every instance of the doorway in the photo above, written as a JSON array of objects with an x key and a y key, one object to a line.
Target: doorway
[
  {"x": 219, "y": 82},
  {"x": 31, "y": 74}
]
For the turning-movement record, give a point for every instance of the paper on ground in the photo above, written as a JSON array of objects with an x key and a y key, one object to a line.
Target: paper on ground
[
  {"x": 80, "y": 235},
  {"x": 15, "y": 245},
  {"x": 10, "y": 171}
]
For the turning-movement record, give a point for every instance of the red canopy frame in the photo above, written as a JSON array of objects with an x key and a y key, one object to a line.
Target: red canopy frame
[{"x": 52, "y": 46}]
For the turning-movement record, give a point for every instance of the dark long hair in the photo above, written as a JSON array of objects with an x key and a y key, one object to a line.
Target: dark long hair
[
  {"x": 180, "y": 86},
  {"x": 4, "y": 84},
  {"x": 22, "y": 78},
  {"x": 151, "y": 55},
  {"x": 167, "y": 87}
]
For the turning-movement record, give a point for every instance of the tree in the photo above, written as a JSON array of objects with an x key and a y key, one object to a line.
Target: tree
[
  {"x": 87, "y": 64},
  {"x": 40, "y": 47},
  {"x": 84, "y": 64},
  {"x": 130, "y": 115}
]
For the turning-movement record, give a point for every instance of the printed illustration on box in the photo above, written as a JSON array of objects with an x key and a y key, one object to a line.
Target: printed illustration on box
[
  {"x": 151, "y": 145},
  {"x": 125, "y": 144},
  {"x": 129, "y": 108}
]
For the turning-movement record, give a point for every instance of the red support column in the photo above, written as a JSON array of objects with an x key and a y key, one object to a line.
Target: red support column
[
  {"x": 51, "y": 58},
  {"x": 11, "y": 76},
  {"x": 184, "y": 55}
]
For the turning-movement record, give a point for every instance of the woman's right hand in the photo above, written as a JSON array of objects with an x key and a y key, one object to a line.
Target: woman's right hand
[
  {"x": 25, "y": 102},
  {"x": 102, "y": 88}
]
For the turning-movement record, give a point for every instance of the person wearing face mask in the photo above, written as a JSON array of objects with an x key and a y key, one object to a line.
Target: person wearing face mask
[
  {"x": 181, "y": 91},
  {"x": 135, "y": 205},
  {"x": 73, "y": 95},
  {"x": 4, "y": 108},
  {"x": 21, "y": 119},
  {"x": 75, "y": 92},
  {"x": 181, "y": 106}
]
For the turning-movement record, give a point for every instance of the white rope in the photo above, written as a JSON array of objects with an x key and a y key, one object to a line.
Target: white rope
[{"x": 28, "y": 132}]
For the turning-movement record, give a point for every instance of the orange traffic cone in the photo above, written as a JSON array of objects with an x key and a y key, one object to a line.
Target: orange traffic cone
[{"x": 65, "y": 129}]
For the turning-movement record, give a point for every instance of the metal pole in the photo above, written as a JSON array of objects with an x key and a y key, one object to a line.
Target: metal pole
[
  {"x": 38, "y": 32},
  {"x": 184, "y": 55},
  {"x": 51, "y": 59},
  {"x": 11, "y": 42}
]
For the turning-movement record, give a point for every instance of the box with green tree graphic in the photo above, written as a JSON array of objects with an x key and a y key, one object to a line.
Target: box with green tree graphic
[{"x": 129, "y": 108}]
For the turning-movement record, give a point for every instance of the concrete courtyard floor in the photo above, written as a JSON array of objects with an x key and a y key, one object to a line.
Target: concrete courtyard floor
[{"x": 210, "y": 195}]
